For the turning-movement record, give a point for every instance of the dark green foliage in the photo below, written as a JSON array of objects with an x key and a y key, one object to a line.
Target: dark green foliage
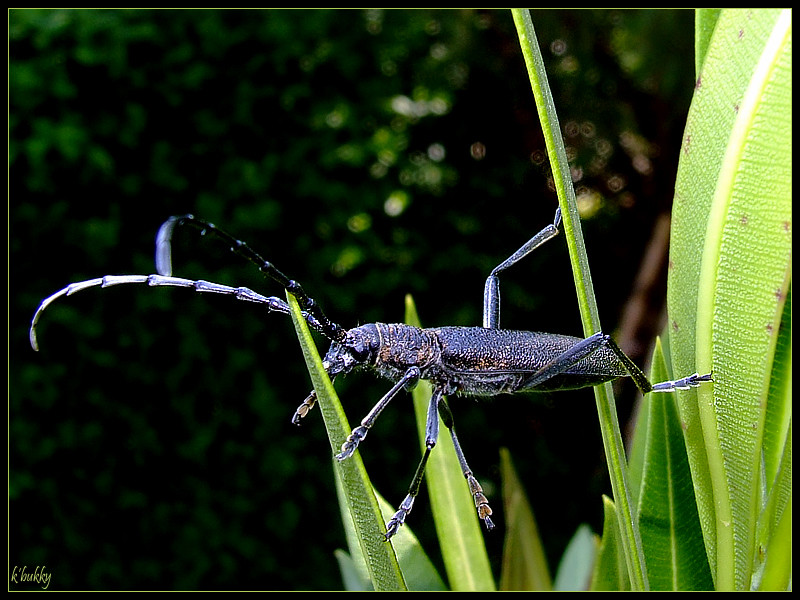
[{"x": 150, "y": 439}]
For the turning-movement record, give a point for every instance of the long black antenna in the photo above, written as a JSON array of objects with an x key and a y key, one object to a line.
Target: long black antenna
[{"x": 328, "y": 328}]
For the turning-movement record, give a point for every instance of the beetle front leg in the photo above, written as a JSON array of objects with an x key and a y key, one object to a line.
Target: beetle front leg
[
  {"x": 409, "y": 380},
  {"x": 306, "y": 406}
]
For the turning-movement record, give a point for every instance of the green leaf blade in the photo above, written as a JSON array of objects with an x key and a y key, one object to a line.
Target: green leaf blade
[
  {"x": 668, "y": 521},
  {"x": 456, "y": 520},
  {"x": 733, "y": 199},
  {"x": 418, "y": 570},
  {"x": 576, "y": 565},
  {"x": 705, "y": 21},
  {"x": 381, "y": 562},
  {"x": 774, "y": 558},
  {"x": 604, "y": 397},
  {"x": 749, "y": 259},
  {"x": 524, "y": 561},
  {"x": 773, "y": 565},
  {"x": 610, "y": 572}
]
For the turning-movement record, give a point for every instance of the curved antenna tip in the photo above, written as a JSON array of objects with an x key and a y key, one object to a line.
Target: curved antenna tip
[
  {"x": 32, "y": 332},
  {"x": 32, "y": 337},
  {"x": 164, "y": 247}
]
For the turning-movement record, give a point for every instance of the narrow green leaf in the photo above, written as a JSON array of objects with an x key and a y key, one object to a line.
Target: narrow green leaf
[
  {"x": 354, "y": 577},
  {"x": 730, "y": 270},
  {"x": 456, "y": 520},
  {"x": 668, "y": 521},
  {"x": 637, "y": 454},
  {"x": 774, "y": 567},
  {"x": 384, "y": 571},
  {"x": 418, "y": 570},
  {"x": 604, "y": 396},
  {"x": 778, "y": 572},
  {"x": 777, "y": 467},
  {"x": 524, "y": 561},
  {"x": 610, "y": 572},
  {"x": 779, "y": 402},
  {"x": 575, "y": 569},
  {"x": 704, "y": 23}
]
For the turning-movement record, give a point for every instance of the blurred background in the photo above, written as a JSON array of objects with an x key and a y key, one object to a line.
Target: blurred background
[{"x": 369, "y": 154}]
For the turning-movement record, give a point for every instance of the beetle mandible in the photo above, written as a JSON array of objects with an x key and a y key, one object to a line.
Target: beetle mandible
[{"x": 468, "y": 361}]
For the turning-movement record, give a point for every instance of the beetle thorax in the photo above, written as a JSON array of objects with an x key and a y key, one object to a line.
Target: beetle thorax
[{"x": 402, "y": 347}]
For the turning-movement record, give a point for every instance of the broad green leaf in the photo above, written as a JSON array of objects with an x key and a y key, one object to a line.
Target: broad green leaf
[
  {"x": 456, "y": 520},
  {"x": 381, "y": 562},
  {"x": 733, "y": 202},
  {"x": 604, "y": 396},
  {"x": 610, "y": 572},
  {"x": 524, "y": 561},
  {"x": 575, "y": 568},
  {"x": 671, "y": 534}
]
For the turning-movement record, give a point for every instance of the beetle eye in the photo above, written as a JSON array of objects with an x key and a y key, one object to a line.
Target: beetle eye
[
  {"x": 360, "y": 344},
  {"x": 359, "y": 350}
]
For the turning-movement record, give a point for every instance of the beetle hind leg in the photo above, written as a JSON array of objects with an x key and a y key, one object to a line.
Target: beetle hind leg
[
  {"x": 431, "y": 437},
  {"x": 481, "y": 502}
]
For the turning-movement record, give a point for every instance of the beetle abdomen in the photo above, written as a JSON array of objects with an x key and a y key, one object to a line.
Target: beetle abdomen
[{"x": 481, "y": 361}]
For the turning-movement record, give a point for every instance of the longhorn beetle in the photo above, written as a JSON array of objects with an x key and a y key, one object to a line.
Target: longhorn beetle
[{"x": 469, "y": 361}]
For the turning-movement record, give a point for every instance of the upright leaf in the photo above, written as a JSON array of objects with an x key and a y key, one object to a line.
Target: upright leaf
[
  {"x": 454, "y": 514},
  {"x": 773, "y": 565},
  {"x": 774, "y": 572},
  {"x": 733, "y": 200},
  {"x": 667, "y": 512},
  {"x": 418, "y": 571},
  {"x": 604, "y": 396},
  {"x": 705, "y": 21},
  {"x": 524, "y": 561},
  {"x": 381, "y": 562},
  {"x": 610, "y": 572},
  {"x": 575, "y": 568}
]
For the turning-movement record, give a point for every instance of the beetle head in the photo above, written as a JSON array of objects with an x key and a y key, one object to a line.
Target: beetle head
[{"x": 359, "y": 348}]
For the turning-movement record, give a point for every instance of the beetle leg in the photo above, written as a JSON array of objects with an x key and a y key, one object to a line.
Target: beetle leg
[
  {"x": 481, "y": 503},
  {"x": 491, "y": 291},
  {"x": 359, "y": 433},
  {"x": 306, "y": 406},
  {"x": 682, "y": 384},
  {"x": 431, "y": 437},
  {"x": 564, "y": 361},
  {"x": 641, "y": 380},
  {"x": 585, "y": 348},
  {"x": 439, "y": 405}
]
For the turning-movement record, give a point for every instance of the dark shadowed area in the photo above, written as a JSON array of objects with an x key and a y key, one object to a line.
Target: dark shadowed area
[{"x": 369, "y": 155}]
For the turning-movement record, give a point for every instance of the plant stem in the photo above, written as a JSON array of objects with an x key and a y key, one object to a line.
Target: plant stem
[{"x": 604, "y": 397}]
